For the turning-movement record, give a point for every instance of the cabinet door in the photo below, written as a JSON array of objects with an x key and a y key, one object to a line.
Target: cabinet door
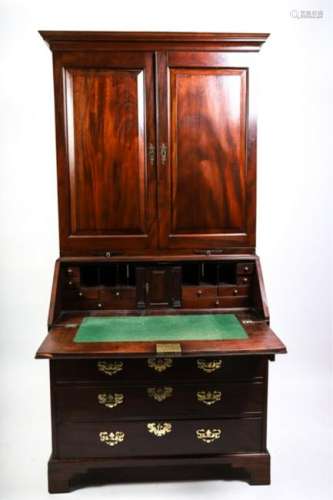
[
  {"x": 105, "y": 134},
  {"x": 206, "y": 167},
  {"x": 158, "y": 287}
]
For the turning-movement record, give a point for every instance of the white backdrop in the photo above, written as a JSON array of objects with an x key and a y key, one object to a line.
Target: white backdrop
[{"x": 294, "y": 224}]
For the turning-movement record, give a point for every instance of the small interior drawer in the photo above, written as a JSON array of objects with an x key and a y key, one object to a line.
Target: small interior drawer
[
  {"x": 199, "y": 296},
  {"x": 242, "y": 279},
  {"x": 245, "y": 268},
  {"x": 118, "y": 297},
  {"x": 233, "y": 291}
]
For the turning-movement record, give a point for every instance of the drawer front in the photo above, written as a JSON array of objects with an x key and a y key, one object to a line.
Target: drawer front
[
  {"x": 245, "y": 268},
  {"x": 243, "y": 280},
  {"x": 233, "y": 291},
  {"x": 116, "y": 401},
  {"x": 118, "y": 298},
  {"x": 199, "y": 296},
  {"x": 158, "y": 438},
  {"x": 228, "y": 368}
]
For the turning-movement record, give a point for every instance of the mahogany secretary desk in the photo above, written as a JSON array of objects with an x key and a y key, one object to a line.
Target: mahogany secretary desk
[{"x": 156, "y": 161}]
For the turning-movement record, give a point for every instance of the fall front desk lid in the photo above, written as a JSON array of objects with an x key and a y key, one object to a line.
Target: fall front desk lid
[{"x": 160, "y": 328}]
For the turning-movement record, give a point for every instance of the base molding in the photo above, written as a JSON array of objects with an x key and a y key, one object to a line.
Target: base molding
[{"x": 65, "y": 475}]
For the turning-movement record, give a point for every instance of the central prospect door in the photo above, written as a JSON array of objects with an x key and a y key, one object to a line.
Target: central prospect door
[{"x": 206, "y": 175}]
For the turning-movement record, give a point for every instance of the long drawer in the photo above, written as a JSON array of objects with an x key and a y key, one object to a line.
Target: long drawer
[
  {"x": 114, "y": 401},
  {"x": 158, "y": 438},
  {"x": 161, "y": 369}
]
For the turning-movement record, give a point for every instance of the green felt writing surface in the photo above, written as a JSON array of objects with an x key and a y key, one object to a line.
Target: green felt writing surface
[{"x": 159, "y": 328}]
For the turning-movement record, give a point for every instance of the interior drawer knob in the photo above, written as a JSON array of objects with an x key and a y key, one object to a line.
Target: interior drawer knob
[
  {"x": 110, "y": 400},
  {"x": 110, "y": 368},
  {"x": 199, "y": 293},
  {"x": 111, "y": 438},
  {"x": 159, "y": 364},
  {"x": 235, "y": 291},
  {"x": 209, "y": 397},
  {"x": 209, "y": 366},
  {"x": 208, "y": 435},
  {"x": 117, "y": 294},
  {"x": 159, "y": 429},
  {"x": 160, "y": 393}
]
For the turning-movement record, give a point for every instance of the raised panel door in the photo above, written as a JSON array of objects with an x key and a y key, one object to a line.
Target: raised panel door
[
  {"x": 107, "y": 185},
  {"x": 207, "y": 184}
]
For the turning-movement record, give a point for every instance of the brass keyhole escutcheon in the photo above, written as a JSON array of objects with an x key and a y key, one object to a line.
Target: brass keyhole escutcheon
[
  {"x": 160, "y": 364},
  {"x": 209, "y": 366},
  {"x": 111, "y": 438},
  {"x": 110, "y": 400},
  {"x": 209, "y": 397},
  {"x": 110, "y": 367},
  {"x": 159, "y": 429},
  {"x": 160, "y": 393}
]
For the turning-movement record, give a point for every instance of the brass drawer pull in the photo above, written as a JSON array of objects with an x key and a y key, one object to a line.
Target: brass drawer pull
[
  {"x": 159, "y": 393},
  {"x": 112, "y": 438},
  {"x": 209, "y": 366},
  {"x": 159, "y": 429},
  {"x": 110, "y": 400},
  {"x": 159, "y": 364},
  {"x": 208, "y": 435},
  {"x": 209, "y": 397},
  {"x": 110, "y": 368}
]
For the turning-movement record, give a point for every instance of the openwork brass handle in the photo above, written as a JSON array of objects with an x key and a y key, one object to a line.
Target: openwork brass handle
[
  {"x": 159, "y": 429},
  {"x": 110, "y": 368},
  {"x": 209, "y": 397},
  {"x": 112, "y": 438},
  {"x": 110, "y": 400},
  {"x": 209, "y": 366},
  {"x": 208, "y": 435},
  {"x": 159, "y": 364},
  {"x": 160, "y": 393}
]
